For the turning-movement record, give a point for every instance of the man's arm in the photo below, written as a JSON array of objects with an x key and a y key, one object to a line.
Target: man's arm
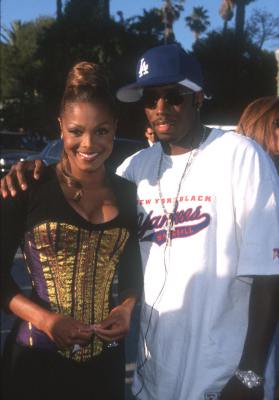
[
  {"x": 263, "y": 317},
  {"x": 16, "y": 177}
]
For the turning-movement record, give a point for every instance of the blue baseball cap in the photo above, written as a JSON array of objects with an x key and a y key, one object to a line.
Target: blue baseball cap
[{"x": 163, "y": 65}]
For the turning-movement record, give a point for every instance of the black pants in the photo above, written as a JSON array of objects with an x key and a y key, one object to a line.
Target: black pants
[{"x": 34, "y": 374}]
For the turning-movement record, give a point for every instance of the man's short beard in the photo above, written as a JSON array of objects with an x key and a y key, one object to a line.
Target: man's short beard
[{"x": 184, "y": 141}]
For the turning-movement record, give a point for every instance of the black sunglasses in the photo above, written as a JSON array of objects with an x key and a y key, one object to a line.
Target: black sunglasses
[
  {"x": 172, "y": 97},
  {"x": 276, "y": 122}
]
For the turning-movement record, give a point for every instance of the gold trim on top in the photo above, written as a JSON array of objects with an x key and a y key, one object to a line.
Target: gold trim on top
[{"x": 78, "y": 267}]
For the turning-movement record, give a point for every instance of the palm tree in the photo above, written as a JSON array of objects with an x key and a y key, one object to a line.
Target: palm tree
[
  {"x": 198, "y": 21},
  {"x": 226, "y": 12},
  {"x": 240, "y": 13},
  {"x": 171, "y": 11}
]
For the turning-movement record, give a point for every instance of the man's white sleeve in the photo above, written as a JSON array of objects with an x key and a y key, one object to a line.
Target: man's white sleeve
[
  {"x": 256, "y": 199},
  {"x": 126, "y": 169}
]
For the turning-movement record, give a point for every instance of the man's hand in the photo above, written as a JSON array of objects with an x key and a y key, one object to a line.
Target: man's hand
[
  {"x": 235, "y": 390},
  {"x": 17, "y": 174}
]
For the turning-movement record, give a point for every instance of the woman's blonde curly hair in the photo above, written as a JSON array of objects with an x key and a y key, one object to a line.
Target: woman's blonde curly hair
[{"x": 257, "y": 122}]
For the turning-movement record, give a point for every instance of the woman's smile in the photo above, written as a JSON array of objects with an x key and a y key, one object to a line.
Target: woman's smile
[
  {"x": 88, "y": 132},
  {"x": 87, "y": 156}
]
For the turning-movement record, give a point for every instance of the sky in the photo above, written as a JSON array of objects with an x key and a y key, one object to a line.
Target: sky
[{"x": 26, "y": 10}]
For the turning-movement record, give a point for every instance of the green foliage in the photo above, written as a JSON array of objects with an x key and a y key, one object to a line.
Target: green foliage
[
  {"x": 20, "y": 66},
  {"x": 262, "y": 27},
  {"x": 236, "y": 73},
  {"x": 21, "y": 100},
  {"x": 37, "y": 76},
  {"x": 150, "y": 24},
  {"x": 198, "y": 21},
  {"x": 86, "y": 11},
  {"x": 37, "y": 55}
]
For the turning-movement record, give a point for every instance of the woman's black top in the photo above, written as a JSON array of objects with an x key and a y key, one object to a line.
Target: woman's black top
[{"x": 72, "y": 262}]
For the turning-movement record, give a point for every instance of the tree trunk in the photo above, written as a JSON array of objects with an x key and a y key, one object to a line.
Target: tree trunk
[
  {"x": 168, "y": 22},
  {"x": 225, "y": 26},
  {"x": 58, "y": 9},
  {"x": 105, "y": 8},
  {"x": 240, "y": 18},
  {"x": 196, "y": 35}
]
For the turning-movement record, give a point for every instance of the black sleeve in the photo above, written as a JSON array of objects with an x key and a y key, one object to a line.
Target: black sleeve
[
  {"x": 13, "y": 212},
  {"x": 129, "y": 271}
]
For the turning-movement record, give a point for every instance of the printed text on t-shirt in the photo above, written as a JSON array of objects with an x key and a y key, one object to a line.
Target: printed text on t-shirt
[{"x": 196, "y": 221}]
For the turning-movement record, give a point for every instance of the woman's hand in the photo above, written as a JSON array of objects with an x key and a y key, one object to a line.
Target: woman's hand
[
  {"x": 117, "y": 325},
  {"x": 65, "y": 331},
  {"x": 17, "y": 176}
]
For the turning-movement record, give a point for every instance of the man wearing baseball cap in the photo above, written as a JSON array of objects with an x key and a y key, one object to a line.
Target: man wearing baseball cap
[{"x": 209, "y": 237}]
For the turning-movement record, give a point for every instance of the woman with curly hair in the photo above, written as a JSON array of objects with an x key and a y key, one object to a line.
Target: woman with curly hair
[{"x": 260, "y": 121}]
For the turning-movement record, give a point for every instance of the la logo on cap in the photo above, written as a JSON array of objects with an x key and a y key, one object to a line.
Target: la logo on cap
[{"x": 143, "y": 69}]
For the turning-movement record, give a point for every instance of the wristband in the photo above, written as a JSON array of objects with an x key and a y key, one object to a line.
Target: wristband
[{"x": 249, "y": 378}]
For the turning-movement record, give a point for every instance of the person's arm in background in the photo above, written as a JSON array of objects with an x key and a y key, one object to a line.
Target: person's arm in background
[
  {"x": 263, "y": 317},
  {"x": 16, "y": 177}
]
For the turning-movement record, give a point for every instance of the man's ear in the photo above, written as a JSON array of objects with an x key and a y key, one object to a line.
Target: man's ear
[{"x": 198, "y": 99}]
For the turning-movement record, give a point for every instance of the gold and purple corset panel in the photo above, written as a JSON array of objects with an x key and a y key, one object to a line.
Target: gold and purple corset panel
[{"x": 72, "y": 271}]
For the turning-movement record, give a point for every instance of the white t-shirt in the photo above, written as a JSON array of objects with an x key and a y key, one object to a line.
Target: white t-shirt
[{"x": 194, "y": 314}]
